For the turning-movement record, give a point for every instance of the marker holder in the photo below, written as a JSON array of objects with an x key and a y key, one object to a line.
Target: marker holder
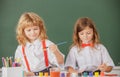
[{"x": 12, "y": 72}]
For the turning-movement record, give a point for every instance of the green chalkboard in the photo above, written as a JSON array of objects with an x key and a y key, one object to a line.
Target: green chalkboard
[{"x": 59, "y": 17}]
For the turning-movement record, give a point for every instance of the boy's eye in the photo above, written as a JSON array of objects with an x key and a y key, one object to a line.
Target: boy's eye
[
  {"x": 35, "y": 28},
  {"x": 29, "y": 30}
]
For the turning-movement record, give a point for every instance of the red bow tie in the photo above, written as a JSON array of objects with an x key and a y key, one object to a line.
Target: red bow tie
[{"x": 85, "y": 45}]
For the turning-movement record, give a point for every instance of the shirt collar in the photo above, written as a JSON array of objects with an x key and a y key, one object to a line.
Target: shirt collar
[{"x": 37, "y": 42}]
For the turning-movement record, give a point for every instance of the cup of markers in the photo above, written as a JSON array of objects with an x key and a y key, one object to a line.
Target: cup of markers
[
  {"x": 11, "y": 68},
  {"x": 8, "y": 62}
]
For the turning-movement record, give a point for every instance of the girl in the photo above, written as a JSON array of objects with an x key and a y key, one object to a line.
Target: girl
[
  {"x": 87, "y": 53},
  {"x": 36, "y": 52}
]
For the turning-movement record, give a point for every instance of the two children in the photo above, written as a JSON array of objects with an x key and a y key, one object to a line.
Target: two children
[{"x": 37, "y": 53}]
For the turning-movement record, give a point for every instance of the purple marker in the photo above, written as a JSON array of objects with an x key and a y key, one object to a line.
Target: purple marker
[
  {"x": 90, "y": 74},
  {"x": 62, "y": 74}
]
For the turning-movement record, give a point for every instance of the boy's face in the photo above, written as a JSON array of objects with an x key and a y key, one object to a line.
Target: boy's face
[
  {"x": 32, "y": 33},
  {"x": 86, "y": 35}
]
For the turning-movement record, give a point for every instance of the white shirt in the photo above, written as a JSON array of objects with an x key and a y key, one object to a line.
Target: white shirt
[
  {"x": 88, "y": 58},
  {"x": 35, "y": 56}
]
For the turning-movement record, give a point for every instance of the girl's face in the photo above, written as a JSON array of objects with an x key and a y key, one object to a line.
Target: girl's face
[
  {"x": 32, "y": 33},
  {"x": 86, "y": 35}
]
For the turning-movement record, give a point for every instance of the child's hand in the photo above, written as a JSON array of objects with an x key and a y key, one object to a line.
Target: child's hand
[
  {"x": 102, "y": 67},
  {"x": 53, "y": 48},
  {"x": 29, "y": 74}
]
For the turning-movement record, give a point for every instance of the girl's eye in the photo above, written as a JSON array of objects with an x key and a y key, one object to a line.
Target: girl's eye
[
  {"x": 81, "y": 33},
  {"x": 88, "y": 33}
]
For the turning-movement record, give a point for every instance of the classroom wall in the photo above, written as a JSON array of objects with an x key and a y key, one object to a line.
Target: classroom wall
[{"x": 59, "y": 17}]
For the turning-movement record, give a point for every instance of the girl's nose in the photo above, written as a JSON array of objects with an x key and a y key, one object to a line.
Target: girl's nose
[{"x": 85, "y": 36}]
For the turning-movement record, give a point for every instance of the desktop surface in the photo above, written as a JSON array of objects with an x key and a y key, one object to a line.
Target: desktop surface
[{"x": 115, "y": 70}]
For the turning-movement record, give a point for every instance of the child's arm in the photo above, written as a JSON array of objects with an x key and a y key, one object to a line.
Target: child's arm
[
  {"x": 58, "y": 54},
  {"x": 71, "y": 70},
  {"x": 105, "y": 68},
  {"x": 29, "y": 74}
]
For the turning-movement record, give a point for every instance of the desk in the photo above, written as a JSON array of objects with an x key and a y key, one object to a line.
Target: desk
[{"x": 116, "y": 70}]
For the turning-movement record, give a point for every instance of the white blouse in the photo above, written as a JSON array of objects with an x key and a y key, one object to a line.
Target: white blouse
[
  {"x": 88, "y": 58},
  {"x": 35, "y": 56}
]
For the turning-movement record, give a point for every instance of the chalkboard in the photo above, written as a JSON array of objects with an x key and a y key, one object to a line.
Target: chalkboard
[{"x": 59, "y": 17}]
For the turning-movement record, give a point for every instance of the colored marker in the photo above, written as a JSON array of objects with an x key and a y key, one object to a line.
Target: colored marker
[
  {"x": 85, "y": 74},
  {"x": 96, "y": 74},
  {"x": 61, "y": 43},
  {"x": 62, "y": 74},
  {"x": 3, "y": 61},
  {"x": 7, "y": 61},
  {"x": 102, "y": 74},
  {"x": 90, "y": 74},
  {"x": 46, "y": 74},
  {"x": 40, "y": 74},
  {"x": 10, "y": 62}
]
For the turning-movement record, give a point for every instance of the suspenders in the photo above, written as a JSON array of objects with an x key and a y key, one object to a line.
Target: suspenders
[
  {"x": 45, "y": 55},
  {"x": 25, "y": 58}
]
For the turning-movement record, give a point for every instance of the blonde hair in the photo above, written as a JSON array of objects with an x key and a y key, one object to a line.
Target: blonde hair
[
  {"x": 80, "y": 25},
  {"x": 29, "y": 19}
]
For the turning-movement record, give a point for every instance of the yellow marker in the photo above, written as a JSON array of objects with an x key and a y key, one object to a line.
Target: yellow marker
[
  {"x": 46, "y": 74},
  {"x": 96, "y": 74},
  {"x": 40, "y": 74}
]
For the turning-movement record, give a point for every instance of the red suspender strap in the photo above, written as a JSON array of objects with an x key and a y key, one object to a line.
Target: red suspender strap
[
  {"x": 45, "y": 53},
  {"x": 25, "y": 58}
]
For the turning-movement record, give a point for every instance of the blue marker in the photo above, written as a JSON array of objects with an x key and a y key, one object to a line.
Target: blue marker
[
  {"x": 60, "y": 43},
  {"x": 90, "y": 74}
]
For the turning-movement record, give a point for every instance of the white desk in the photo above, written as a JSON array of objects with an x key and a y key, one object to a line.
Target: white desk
[{"x": 116, "y": 70}]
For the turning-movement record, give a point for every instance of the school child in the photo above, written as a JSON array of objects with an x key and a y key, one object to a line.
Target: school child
[
  {"x": 37, "y": 53},
  {"x": 86, "y": 52}
]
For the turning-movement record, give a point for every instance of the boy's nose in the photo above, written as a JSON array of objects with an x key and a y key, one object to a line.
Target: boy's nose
[{"x": 32, "y": 31}]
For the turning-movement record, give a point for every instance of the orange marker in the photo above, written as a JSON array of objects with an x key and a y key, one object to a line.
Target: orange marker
[
  {"x": 46, "y": 74},
  {"x": 102, "y": 74}
]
